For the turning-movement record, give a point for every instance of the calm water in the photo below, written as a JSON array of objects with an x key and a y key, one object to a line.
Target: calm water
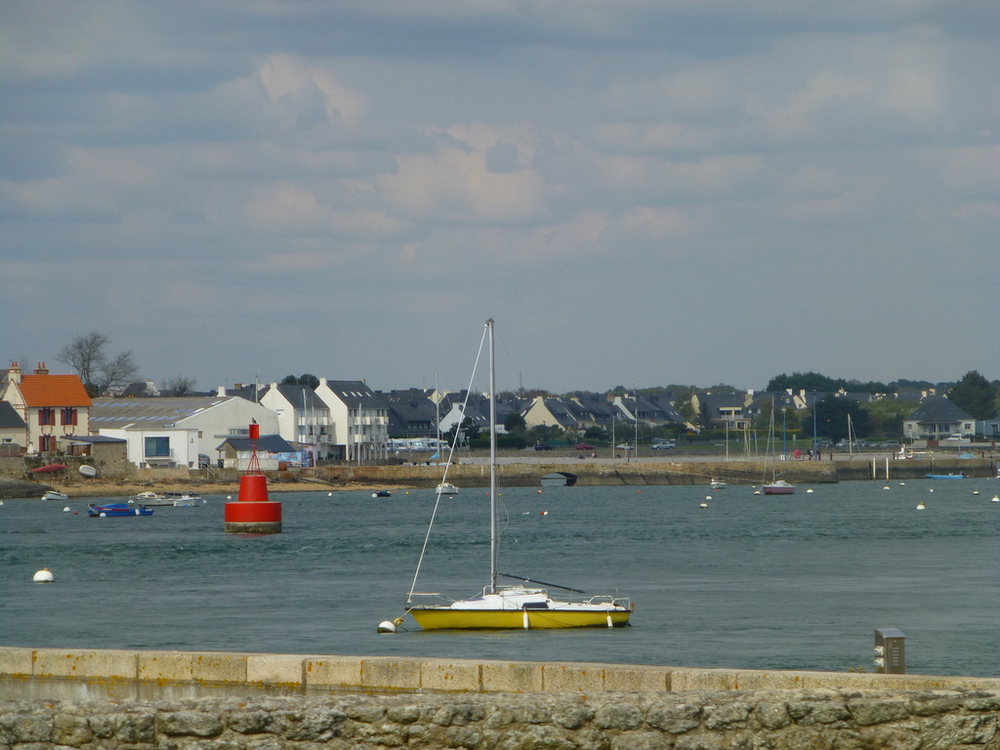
[{"x": 751, "y": 582}]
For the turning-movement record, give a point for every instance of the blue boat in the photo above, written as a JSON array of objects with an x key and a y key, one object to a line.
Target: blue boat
[
  {"x": 946, "y": 476},
  {"x": 118, "y": 509}
]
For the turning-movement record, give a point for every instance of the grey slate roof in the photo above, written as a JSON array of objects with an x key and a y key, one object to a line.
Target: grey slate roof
[
  {"x": 9, "y": 418},
  {"x": 938, "y": 410},
  {"x": 269, "y": 443},
  {"x": 299, "y": 396},
  {"x": 355, "y": 394}
]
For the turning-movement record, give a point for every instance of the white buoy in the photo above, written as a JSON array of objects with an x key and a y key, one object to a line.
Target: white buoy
[
  {"x": 756, "y": 492},
  {"x": 708, "y": 497},
  {"x": 809, "y": 490},
  {"x": 932, "y": 489},
  {"x": 66, "y": 509},
  {"x": 902, "y": 484},
  {"x": 886, "y": 487},
  {"x": 975, "y": 492},
  {"x": 229, "y": 497},
  {"x": 386, "y": 626},
  {"x": 921, "y": 506},
  {"x": 43, "y": 576},
  {"x": 996, "y": 499},
  {"x": 703, "y": 505},
  {"x": 103, "y": 515},
  {"x": 329, "y": 494}
]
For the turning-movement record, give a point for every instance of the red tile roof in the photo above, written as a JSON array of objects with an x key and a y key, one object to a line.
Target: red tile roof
[{"x": 53, "y": 390}]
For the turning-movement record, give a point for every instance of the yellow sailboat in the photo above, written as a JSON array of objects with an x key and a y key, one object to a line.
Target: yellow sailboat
[{"x": 521, "y": 606}]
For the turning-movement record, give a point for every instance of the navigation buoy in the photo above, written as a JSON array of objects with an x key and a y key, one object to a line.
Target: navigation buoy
[
  {"x": 43, "y": 576},
  {"x": 253, "y": 512}
]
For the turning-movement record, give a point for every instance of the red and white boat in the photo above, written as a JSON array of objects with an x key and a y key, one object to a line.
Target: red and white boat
[{"x": 779, "y": 487}]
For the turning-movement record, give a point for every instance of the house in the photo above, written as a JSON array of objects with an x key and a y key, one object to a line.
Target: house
[
  {"x": 272, "y": 452},
  {"x": 172, "y": 431},
  {"x": 412, "y": 413},
  {"x": 303, "y": 418},
  {"x": 13, "y": 431},
  {"x": 721, "y": 410},
  {"x": 359, "y": 420},
  {"x": 51, "y": 406},
  {"x": 937, "y": 418},
  {"x": 547, "y": 411}
]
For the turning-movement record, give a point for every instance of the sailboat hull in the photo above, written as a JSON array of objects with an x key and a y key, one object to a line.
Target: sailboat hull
[{"x": 446, "y": 618}]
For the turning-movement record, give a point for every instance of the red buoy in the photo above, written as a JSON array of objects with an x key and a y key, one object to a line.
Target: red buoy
[{"x": 253, "y": 512}]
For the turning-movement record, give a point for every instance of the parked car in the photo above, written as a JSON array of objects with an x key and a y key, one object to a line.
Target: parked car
[
  {"x": 624, "y": 446},
  {"x": 543, "y": 447},
  {"x": 660, "y": 444},
  {"x": 584, "y": 447}
]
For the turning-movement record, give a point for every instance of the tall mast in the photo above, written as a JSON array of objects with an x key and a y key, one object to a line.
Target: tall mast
[{"x": 494, "y": 546}]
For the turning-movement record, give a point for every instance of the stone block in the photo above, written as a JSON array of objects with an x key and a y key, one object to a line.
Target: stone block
[
  {"x": 449, "y": 675},
  {"x": 165, "y": 666},
  {"x": 84, "y": 664},
  {"x": 512, "y": 677},
  {"x": 572, "y": 678},
  {"x": 390, "y": 673},
  {"x": 283, "y": 670},
  {"x": 15, "y": 661},
  {"x": 217, "y": 666},
  {"x": 333, "y": 672},
  {"x": 703, "y": 679},
  {"x": 623, "y": 678}
]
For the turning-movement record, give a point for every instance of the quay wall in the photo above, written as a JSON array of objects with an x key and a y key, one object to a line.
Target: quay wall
[
  {"x": 601, "y": 473},
  {"x": 51, "y": 698}
]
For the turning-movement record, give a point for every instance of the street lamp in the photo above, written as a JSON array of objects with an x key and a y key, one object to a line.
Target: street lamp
[{"x": 815, "y": 442}]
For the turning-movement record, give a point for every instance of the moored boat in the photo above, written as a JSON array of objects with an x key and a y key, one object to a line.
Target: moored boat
[
  {"x": 520, "y": 606},
  {"x": 55, "y": 495},
  {"x": 779, "y": 487},
  {"x": 946, "y": 476},
  {"x": 717, "y": 484},
  {"x": 117, "y": 509},
  {"x": 446, "y": 488}
]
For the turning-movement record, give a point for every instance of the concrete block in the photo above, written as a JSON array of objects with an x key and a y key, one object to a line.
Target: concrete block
[
  {"x": 275, "y": 669},
  {"x": 703, "y": 679},
  {"x": 572, "y": 678},
  {"x": 84, "y": 664},
  {"x": 15, "y": 661},
  {"x": 217, "y": 666},
  {"x": 333, "y": 672},
  {"x": 624, "y": 678},
  {"x": 511, "y": 677},
  {"x": 450, "y": 675},
  {"x": 165, "y": 666},
  {"x": 390, "y": 673}
]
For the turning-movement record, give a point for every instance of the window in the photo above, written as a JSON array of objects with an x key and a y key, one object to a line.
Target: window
[
  {"x": 157, "y": 447},
  {"x": 68, "y": 417},
  {"x": 46, "y": 416},
  {"x": 46, "y": 443}
]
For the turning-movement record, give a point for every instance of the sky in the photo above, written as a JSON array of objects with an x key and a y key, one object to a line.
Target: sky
[{"x": 639, "y": 192}]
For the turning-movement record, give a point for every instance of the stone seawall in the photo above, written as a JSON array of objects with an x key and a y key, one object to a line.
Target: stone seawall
[
  {"x": 170, "y": 700},
  {"x": 702, "y": 720}
]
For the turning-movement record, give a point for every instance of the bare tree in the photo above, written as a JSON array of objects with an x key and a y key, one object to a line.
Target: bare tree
[
  {"x": 88, "y": 355},
  {"x": 179, "y": 385},
  {"x": 117, "y": 370},
  {"x": 85, "y": 354}
]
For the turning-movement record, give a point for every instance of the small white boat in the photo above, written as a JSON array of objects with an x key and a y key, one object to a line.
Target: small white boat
[
  {"x": 717, "y": 484},
  {"x": 54, "y": 495},
  {"x": 446, "y": 488},
  {"x": 88, "y": 471}
]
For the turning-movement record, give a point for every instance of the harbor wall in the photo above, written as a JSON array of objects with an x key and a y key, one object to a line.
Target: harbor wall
[
  {"x": 379, "y": 702},
  {"x": 604, "y": 473}
]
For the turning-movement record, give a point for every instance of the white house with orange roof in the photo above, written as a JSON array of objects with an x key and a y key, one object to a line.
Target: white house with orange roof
[{"x": 52, "y": 406}]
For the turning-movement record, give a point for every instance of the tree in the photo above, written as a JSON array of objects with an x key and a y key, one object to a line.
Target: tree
[
  {"x": 310, "y": 380},
  {"x": 975, "y": 395},
  {"x": 180, "y": 386},
  {"x": 88, "y": 355},
  {"x": 831, "y": 418},
  {"x": 514, "y": 423}
]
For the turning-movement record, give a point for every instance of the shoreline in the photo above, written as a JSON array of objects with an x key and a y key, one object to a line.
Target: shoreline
[{"x": 226, "y": 489}]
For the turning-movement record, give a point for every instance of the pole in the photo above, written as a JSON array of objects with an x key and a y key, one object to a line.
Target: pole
[
  {"x": 815, "y": 442},
  {"x": 494, "y": 547}
]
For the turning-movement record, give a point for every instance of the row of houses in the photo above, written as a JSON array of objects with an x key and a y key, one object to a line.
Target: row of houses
[{"x": 341, "y": 420}]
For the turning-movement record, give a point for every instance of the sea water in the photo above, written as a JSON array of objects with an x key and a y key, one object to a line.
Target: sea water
[{"x": 751, "y": 581}]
